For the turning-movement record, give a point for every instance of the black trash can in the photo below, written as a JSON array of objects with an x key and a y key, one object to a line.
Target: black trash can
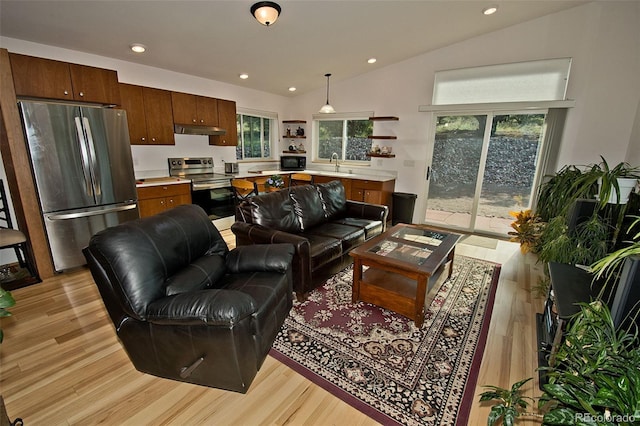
[{"x": 403, "y": 205}]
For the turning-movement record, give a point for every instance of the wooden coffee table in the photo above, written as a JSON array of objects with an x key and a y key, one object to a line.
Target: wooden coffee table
[{"x": 405, "y": 268}]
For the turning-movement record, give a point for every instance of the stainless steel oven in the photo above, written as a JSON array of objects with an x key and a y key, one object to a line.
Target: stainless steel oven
[{"x": 211, "y": 191}]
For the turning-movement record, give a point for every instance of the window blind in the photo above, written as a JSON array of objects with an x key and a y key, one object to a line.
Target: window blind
[{"x": 541, "y": 80}]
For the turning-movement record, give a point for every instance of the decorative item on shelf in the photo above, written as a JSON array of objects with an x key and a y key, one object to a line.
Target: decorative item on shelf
[
  {"x": 301, "y": 147},
  {"x": 292, "y": 147},
  {"x": 288, "y": 131},
  {"x": 375, "y": 149},
  {"x": 274, "y": 183},
  {"x": 300, "y": 131}
]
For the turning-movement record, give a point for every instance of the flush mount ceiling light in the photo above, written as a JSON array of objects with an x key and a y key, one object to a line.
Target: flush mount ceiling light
[
  {"x": 327, "y": 108},
  {"x": 490, "y": 10},
  {"x": 372, "y": 60},
  {"x": 292, "y": 89},
  {"x": 266, "y": 12},
  {"x": 244, "y": 76},
  {"x": 138, "y": 48}
]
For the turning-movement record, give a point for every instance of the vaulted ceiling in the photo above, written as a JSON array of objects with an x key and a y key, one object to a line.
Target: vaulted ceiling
[{"x": 219, "y": 40}]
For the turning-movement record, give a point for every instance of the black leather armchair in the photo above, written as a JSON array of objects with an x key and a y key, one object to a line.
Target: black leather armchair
[{"x": 183, "y": 305}]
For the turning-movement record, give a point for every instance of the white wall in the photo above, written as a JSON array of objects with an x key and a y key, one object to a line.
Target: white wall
[{"x": 603, "y": 38}]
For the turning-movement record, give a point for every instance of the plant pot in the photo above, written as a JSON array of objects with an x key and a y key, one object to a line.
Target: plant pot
[{"x": 626, "y": 185}]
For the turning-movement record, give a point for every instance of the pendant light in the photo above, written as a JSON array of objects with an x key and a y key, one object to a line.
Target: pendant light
[
  {"x": 327, "y": 108},
  {"x": 266, "y": 12}
]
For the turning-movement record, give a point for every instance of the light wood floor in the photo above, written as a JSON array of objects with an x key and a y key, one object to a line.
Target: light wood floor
[{"x": 61, "y": 362}]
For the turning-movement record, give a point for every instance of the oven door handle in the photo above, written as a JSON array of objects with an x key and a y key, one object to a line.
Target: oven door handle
[{"x": 204, "y": 186}]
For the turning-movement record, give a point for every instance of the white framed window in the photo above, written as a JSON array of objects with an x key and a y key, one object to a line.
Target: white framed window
[
  {"x": 530, "y": 81},
  {"x": 257, "y": 132},
  {"x": 346, "y": 134}
]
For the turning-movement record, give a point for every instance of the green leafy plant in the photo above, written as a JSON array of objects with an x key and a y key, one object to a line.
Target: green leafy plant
[
  {"x": 6, "y": 301},
  {"x": 596, "y": 375},
  {"x": 610, "y": 265},
  {"x": 595, "y": 381},
  {"x": 512, "y": 404}
]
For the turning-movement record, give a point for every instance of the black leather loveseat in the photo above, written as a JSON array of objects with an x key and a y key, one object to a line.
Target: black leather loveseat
[
  {"x": 183, "y": 305},
  {"x": 318, "y": 220}
]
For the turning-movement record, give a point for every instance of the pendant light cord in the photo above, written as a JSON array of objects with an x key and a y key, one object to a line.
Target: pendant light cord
[{"x": 327, "y": 75}]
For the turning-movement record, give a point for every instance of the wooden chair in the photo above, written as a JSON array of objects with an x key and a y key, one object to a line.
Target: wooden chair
[
  {"x": 9, "y": 237},
  {"x": 261, "y": 184},
  {"x": 243, "y": 189},
  {"x": 300, "y": 179}
]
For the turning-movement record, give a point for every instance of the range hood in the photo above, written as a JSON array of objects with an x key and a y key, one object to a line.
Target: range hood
[{"x": 188, "y": 129}]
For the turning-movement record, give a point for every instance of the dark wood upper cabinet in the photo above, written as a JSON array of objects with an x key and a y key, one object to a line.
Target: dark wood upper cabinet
[
  {"x": 149, "y": 115},
  {"x": 91, "y": 84},
  {"x": 227, "y": 121},
  {"x": 46, "y": 78},
  {"x": 194, "y": 109}
]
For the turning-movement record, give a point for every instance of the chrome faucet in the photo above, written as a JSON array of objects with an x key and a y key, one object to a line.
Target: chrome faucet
[{"x": 335, "y": 155}]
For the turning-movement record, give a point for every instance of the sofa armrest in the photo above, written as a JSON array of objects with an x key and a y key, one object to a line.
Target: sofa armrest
[
  {"x": 369, "y": 211},
  {"x": 247, "y": 233},
  {"x": 204, "y": 307},
  {"x": 260, "y": 257}
]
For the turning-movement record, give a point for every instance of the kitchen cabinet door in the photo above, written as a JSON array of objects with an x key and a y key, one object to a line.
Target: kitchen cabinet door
[
  {"x": 133, "y": 102},
  {"x": 158, "y": 198},
  {"x": 46, "y": 78},
  {"x": 184, "y": 108},
  {"x": 41, "y": 78},
  {"x": 207, "y": 109},
  {"x": 194, "y": 109},
  {"x": 91, "y": 84},
  {"x": 227, "y": 121},
  {"x": 159, "y": 116},
  {"x": 149, "y": 115}
]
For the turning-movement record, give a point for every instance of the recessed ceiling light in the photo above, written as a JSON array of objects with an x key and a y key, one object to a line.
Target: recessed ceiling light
[
  {"x": 490, "y": 10},
  {"x": 292, "y": 89},
  {"x": 371, "y": 60},
  {"x": 138, "y": 48},
  {"x": 244, "y": 76}
]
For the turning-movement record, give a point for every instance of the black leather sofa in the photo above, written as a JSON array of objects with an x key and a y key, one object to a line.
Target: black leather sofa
[
  {"x": 318, "y": 220},
  {"x": 183, "y": 305}
]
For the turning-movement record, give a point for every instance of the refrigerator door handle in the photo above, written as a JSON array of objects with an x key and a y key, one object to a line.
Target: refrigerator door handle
[
  {"x": 92, "y": 154},
  {"x": 85, "y": 158},
  {"x": 65, "y": 216}
]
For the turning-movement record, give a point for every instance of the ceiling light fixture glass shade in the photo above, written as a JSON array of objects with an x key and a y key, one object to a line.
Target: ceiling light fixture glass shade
[
  {"x": 327, "y": 108},
  {"x": 266, "y": 12},
  {"x": 138, "y": 48}
]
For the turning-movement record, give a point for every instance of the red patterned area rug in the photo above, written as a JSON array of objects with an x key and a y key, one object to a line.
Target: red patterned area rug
[{"x": 380, "y": 363}]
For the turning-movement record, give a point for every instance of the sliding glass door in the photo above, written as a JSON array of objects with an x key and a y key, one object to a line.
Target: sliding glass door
[{"x": 482, "y": 167}]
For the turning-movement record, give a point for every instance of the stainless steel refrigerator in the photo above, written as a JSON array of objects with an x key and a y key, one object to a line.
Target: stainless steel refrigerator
[{"x": 81, "y": 161}]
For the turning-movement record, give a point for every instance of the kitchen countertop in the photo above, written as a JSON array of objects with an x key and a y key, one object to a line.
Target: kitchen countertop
[
  {"x": 362, "y": 176},
  {"x": 168, "y": 180},
  {"x": 155, "y": 181}
]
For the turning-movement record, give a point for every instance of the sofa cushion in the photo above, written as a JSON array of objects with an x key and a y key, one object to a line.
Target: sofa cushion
[
  {"x": 308, "y": 206},
  {"x": 200, "y": 274},
  {"x": 351, "y": 236},
  {"x": 371, "y": 228},
  {"x": 275, "y": 210},
  {"x": 323, "y": 249},
  {"x": 334, "y": 199}
]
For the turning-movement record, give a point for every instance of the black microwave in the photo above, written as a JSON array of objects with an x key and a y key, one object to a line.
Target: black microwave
[{"x": 293, "y": 162}]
